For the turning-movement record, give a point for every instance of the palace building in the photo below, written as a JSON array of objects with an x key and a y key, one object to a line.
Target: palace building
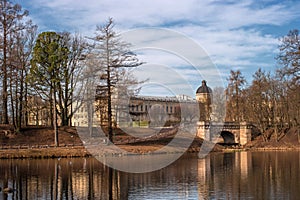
[
  {"x": 141, "y": 111},
  {"x": 137, "y": 110}
]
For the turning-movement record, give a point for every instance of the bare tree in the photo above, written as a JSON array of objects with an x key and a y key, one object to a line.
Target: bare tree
[
  {"x": 258, "y": 101},
  {"x": 70, "y": 77},
  {"x": 233, "y": 91},
  {"x": 11, "y": 16},
  {"x": 20, "y": 51},
  {"x": 186, "y": 111},
  {"x": 114, "y": 59},
  {"x": 219, "y": 104},
  {"x": 289, "y": 57}
]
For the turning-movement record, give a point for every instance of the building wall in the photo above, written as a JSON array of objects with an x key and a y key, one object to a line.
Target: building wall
[
  {"x": 38, "y": 111},
  {"x": 80, "y": 117},
  {"x": 138, "y": 111},
  {"x": 160, "y": 110}
]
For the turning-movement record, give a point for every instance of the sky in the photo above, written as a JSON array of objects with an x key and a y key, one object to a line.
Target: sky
[{"x": 181, "y": 42}]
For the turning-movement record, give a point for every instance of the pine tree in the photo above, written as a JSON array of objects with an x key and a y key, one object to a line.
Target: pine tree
[{"x": 50, "y": 54}]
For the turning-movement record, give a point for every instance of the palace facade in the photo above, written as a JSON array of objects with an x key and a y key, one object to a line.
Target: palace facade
[{"x": 142, "y": 111}]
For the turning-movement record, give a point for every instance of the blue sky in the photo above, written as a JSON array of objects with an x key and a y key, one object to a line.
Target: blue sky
[{"x": 233, "y": 34}]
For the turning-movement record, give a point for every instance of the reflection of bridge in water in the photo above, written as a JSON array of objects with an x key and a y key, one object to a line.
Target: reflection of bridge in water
[
  {"x": 225, "y": 132},
  {"x": 227, "y": 172}
]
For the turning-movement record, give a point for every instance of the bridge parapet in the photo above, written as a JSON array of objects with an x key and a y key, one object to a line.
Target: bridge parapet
[
  {"x": 245, "y": 132},
  {"x": 212, "y": 130}
]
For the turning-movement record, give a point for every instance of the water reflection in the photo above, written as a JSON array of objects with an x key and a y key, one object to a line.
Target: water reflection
[
  {"x": 249, "y": 175},
  {"x": 243, "y": 175},
  {"x": 58, "y": 179}
]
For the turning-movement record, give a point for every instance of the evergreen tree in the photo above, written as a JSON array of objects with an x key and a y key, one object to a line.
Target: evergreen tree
[{"x": 50, "y": 54}]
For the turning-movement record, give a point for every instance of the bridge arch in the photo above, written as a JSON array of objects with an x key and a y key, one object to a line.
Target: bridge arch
[
  {"x": 228, "y": 137},
  {"x": 228, "y": 132}
]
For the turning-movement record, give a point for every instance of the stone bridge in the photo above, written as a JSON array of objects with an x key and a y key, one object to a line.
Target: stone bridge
[{"x": 225, "y": 132}]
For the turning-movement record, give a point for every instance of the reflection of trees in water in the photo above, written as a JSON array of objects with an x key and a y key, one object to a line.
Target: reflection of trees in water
[
  {"x": 253, "y": 175},
  {"x": 85, "y": 179},
  {"x": 242, "y": 175},
  {"x": 60, "y": 179}
]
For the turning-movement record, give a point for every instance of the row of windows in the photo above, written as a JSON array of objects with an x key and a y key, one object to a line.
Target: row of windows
[
  {"x": 169, "y": 109},
  {"x": 79, "y": 116},
  {"x": 142, "y": 108}
]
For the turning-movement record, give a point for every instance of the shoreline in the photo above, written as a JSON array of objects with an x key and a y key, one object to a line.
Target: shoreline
[
  {"x": 81, "y": 151},
  {"x": 44, "y": 153},
  {"x": 263, "y": 149},
  {"x": 37, "y": 142}
]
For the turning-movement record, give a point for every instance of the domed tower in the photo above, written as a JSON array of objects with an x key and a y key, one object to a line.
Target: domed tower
[{"x": 204, "y": 98}]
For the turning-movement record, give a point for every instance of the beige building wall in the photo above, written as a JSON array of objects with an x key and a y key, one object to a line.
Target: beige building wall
[
  {"x": 38, "y": 111},
  {"x": 136, "y": 111}
]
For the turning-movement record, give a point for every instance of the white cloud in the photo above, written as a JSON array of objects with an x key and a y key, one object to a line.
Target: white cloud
[
  {"x": 133, "y": 13},
  {"x": 230, "y": 32},
  {"x": 165, "y": 80}
]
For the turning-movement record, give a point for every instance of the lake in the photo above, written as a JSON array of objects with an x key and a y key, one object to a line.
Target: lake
[{"x": 239, "y": 175}]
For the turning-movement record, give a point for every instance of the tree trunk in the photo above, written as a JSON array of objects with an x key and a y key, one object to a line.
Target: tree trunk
[
  {"x": 4, "y": 80},
  {"x": 90, "y": 112},
  {"x": 237, "y": 104},
  {"x": 110, "y": 183},
  {"x": 20, "y": 117},
  {"x": 110, "y": 130},
  {"x": 66, "y": 99},
  {"x": 55, "y": 120},
  {"x": 109, "y": 109},
  {"x": 276, "y": 132},
  {"x": 12, "y": 100},
  {"x": 25, "y": 103},
  {"x": 51, "y": 108}
]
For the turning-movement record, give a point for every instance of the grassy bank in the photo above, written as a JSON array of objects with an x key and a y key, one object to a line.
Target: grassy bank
[
  {"x": 59, "y": 152},
  {"x": 37, "y": 142}
]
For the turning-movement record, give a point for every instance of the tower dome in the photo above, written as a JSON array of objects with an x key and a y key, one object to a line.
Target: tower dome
[
  {"x": 204, "y": 99},
  {"x": 203, "y": 88}
]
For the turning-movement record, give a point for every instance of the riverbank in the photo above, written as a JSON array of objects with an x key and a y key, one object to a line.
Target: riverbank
[
  {"x": 81, "y": 151},
  {"x": 287, "y": 139},
  {"x": 37, "y": 142},
  {"x": 51, "y": 152}
]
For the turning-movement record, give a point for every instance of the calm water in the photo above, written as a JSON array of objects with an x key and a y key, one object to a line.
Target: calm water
[{"x": 244, "y": 175}]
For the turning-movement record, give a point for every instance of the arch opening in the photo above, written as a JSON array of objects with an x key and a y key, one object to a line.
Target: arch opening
[{"x": 228, "y": 138}]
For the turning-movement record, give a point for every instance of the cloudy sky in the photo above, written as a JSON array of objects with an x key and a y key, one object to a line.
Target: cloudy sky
[{"x": 182, "y": 42}]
